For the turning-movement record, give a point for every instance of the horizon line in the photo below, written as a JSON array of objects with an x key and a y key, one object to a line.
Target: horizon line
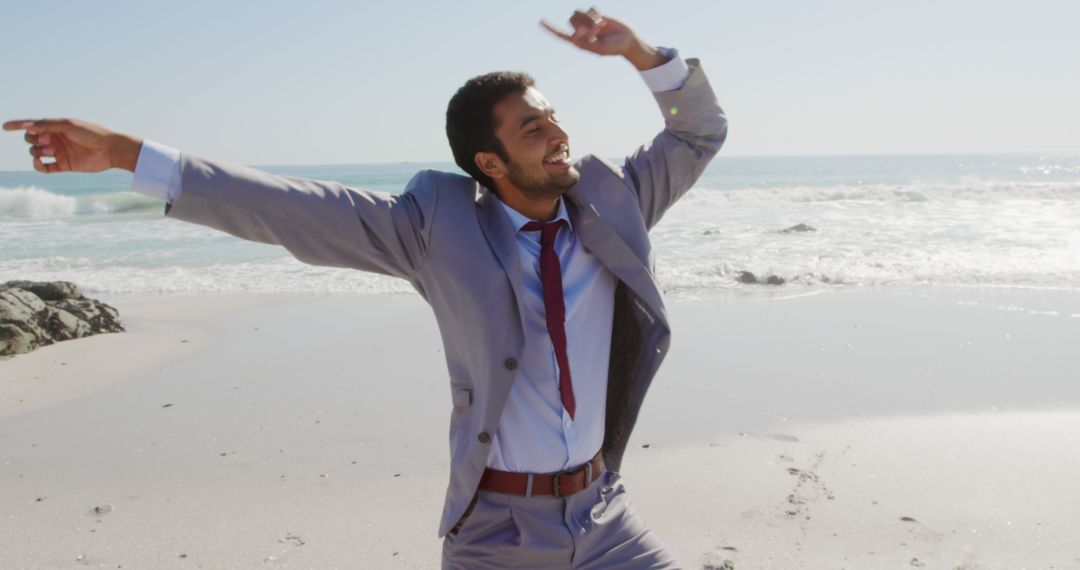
[{"x": 1073, "y": 152}]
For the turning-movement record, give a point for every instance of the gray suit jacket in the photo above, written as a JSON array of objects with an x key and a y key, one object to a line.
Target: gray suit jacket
[{"x": 450, "y": 239}]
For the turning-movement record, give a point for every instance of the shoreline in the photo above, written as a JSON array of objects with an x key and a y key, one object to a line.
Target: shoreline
[{"x": 285, "y": 433}]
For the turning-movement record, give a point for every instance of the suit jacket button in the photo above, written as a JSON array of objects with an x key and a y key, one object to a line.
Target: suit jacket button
[
  {"x": 484, "y": 437},
  {"x": 510, "y": 363}
]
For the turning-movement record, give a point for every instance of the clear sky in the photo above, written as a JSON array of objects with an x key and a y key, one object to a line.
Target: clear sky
[{"x": 319, "y": 82}]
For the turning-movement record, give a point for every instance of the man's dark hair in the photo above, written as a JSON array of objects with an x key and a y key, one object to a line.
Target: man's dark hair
[{"x": 470, "y": 118}]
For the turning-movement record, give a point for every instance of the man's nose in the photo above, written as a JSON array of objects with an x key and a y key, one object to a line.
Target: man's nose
[{"x": 559, "y": 134}]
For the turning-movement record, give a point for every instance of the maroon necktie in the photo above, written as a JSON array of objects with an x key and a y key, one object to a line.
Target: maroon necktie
[{"x": 554, "y": 310}]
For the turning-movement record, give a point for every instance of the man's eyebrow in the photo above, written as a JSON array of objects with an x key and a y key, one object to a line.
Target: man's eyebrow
[{"x": 528, "y": 119}]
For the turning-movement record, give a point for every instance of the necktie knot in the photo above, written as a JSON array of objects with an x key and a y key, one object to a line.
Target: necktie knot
[{"x": 547, "y": 230}]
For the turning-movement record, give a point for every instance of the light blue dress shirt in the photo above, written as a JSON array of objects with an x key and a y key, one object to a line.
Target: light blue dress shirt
[{"x": 535, "y": 434}]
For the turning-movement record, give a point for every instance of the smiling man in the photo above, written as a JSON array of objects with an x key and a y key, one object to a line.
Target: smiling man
[{"x": 539, "y": 271}]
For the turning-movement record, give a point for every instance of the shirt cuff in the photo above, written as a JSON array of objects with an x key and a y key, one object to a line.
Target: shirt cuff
[
  {"x": 669, "y": 76},
  {"x": 157, "y": 172}
]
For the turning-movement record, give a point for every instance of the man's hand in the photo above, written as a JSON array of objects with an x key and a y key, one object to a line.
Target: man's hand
[
  {"x": 76, "y": 146},
  {"x": 604, "y": 35}
]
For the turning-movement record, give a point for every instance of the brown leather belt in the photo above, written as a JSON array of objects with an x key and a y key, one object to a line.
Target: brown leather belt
[{"x": 545, "y": 485}]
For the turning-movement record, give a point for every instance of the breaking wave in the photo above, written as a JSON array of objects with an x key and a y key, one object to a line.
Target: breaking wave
[{"x": 32, "y": 203}]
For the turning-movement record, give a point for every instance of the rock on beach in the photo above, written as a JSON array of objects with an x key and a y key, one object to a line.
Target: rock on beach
[{"x": 39, "y": 313}]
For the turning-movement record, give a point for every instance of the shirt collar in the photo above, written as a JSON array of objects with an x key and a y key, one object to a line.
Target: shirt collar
[{"x": 518, "y": 220}]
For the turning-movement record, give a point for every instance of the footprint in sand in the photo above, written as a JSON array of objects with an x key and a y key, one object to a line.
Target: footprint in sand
[
  {"x": 293, "y": 542},
  {"x": 808, "y": 488},
  {"x": 920, "y": 531}
]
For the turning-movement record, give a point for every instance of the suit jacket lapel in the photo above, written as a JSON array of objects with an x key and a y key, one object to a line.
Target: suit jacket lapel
[
  {"x": 602, "y": 241},
  {"x": 501, "y": 238}
]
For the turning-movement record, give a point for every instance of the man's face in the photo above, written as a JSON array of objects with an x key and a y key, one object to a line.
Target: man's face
[{"x": 538, "y": 148}]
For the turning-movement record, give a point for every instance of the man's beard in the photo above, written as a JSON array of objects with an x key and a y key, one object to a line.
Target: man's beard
[{"x": 539, "y": 185}]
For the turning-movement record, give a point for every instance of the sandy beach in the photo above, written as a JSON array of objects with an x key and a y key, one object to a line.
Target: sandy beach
[{"x": 914, "y": 427}]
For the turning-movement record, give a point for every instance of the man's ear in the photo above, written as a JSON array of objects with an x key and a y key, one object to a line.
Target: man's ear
[{"x": 490, "y": 164}]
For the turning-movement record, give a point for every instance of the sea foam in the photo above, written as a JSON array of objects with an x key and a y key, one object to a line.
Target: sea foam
[
  {"x": 33, "y": 203},
  {"x": 875, "y": 221}
]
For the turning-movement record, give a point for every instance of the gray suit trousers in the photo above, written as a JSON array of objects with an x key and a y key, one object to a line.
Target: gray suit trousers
[{"x": 592, "y": 529}]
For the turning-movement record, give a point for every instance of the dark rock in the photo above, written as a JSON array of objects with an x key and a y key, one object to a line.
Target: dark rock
[
  {"x": 35, "y": 314},
  {"x": 747, "y": 277},
  {"x": 47, "y": 290},
  {"x": 751, "y": 279},
  {"x": 798, "y": 228}
]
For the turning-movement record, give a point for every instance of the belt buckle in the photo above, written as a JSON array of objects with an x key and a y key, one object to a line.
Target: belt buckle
[{"x": 585, "y": 470}]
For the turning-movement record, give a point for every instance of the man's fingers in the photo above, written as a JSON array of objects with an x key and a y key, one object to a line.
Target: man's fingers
[
  {"x": 39, "y": 151},
  {"x": 47, "y": 168},
  {"x": 50, "y": 126},
  {"x": 42, "y": 139},
  {"x": 18, "y": 125},
  {"x": 583, "y": 19},
  {"x": 39, "y": 125},
  {"x": 551, "y": 28},
  {"x": 587, "y": 26},
  {"x": 585, "y": 37}
]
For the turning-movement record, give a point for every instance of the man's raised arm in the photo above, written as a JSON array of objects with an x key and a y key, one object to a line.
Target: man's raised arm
[
  {"x": 321, "y": 223},
  {"x": 695, "y": 128}
]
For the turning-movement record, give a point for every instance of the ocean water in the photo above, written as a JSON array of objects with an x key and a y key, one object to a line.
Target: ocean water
[{"x": 998, "y": 221}]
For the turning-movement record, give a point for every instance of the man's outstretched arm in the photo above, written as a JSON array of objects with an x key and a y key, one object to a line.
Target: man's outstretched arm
[
  {"x": 321, "y": 223},
  {"x": 695, "y": 128}
]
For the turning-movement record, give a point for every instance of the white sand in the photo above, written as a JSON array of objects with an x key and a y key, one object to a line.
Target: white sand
[{"x": 310, "y": 432}]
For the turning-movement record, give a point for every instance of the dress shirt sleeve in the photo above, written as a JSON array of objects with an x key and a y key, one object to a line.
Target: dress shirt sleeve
[
  {"x": 669, "y": 76},
  {"x": 157, "y": 172}
]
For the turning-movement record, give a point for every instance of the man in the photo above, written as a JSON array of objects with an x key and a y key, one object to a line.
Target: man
[{"x": 539, "y": 271}]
